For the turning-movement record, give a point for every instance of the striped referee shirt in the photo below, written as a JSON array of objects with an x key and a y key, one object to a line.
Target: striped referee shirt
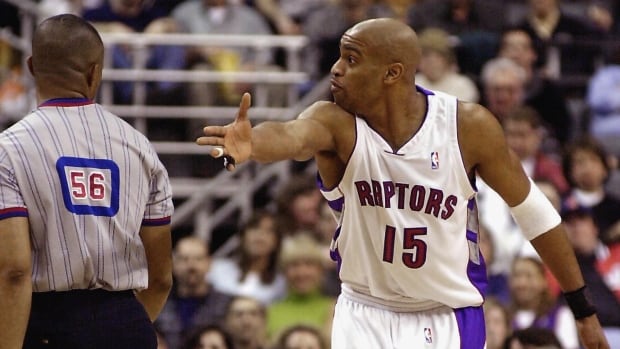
[{"x": 87, "y": 181}]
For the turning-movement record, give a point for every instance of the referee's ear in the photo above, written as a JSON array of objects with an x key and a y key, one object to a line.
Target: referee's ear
[
  {"x": 93, "y": 79},
  {"x": 29, "y": 62}
]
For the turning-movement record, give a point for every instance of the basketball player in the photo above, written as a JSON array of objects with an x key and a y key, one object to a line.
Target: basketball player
[
  {"x": 399, "y": 162},
  {"x": 85, "y": 208}
]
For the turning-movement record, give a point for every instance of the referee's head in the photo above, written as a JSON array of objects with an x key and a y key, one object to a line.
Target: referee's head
[{"x": 67, "y": 57}]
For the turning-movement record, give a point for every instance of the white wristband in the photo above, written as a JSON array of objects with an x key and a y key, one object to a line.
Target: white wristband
[{"x": 535, "y": 215}]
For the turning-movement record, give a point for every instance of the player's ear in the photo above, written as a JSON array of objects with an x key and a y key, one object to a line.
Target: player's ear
[{"x": 394, "y": 72}]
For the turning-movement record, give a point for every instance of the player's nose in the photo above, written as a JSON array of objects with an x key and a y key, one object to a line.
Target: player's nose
[{"x": 336, "y": 69}]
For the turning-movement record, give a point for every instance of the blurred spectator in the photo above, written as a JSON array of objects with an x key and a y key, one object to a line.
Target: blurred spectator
[
  {"x": 534, "y": 306},
  {"x": 496, "y": 322},
  {"x": 139, "y": 16},
  {"x": 600, "y": 265},
  {"x": 167, "y": 5},
  {"x": 503, "y": 84},
  {"x": 503, "y": 91},
  {"x": 298, "y": 202},
  {"x": 457, "y": 16},
  {"x": 208, "y": 337},
  {"x": 222, "y": 17},
  {"x": 302, "y": 261},
  {"x": 476, "y": 23},
  {"x": 13, "y": 93},
  {"x": 301, "y": 337},
  {"x": 533, "y": 338},
  {"x": 10, "y": 21},
  {"x": 586, "y": 167},
  {"x": 603, "y": 101},
  {"x": 550, "y": 27},
  {"x": 324, "y": 28},
  {"x": 162, "y": 343},
  {"x": 497, "y": 287},
  {"x": 193, "y": 302},
  {"x": 524, "y": 135},
  {"x": 542, "y": 93},
  {"x": 601, "y": 14},
  {"x": 246, "y": 321},
  {"x": 253, "y": 270},
  {"x": 398, "y": 9},
  {"x": 288, "y": 16},
  {"x": 550, "y": 191},
  {"x": 326, "y": 228},
  {"x": 439, "y": 69},
  {"x": 48, "y": 8},
  {"x": 327, "y": 224},
  {"x": 614, "y": 8}
]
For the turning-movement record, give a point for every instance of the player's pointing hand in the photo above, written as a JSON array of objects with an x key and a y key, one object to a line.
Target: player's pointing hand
[{"x": 233, "y": 141}]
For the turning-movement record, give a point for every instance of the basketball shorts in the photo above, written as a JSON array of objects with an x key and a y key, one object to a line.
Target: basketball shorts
[{"x": 360, "y": 326}]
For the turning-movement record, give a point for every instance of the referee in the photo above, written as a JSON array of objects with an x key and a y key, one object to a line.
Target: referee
[{"x": 85, "y": 207}]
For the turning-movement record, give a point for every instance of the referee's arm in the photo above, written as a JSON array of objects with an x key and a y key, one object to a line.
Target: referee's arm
[
  {"x": 15, "y": 281},
  {"x": 157, "y": 243}
]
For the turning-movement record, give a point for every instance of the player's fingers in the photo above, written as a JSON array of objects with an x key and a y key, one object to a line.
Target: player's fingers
[
  {"x": 214, "y": 131},
  {"x": 229, "y": 163},
  {"x": 246, "y": 101},
  {"x": 217, "y": 152},
  {"x": 215, "y": 141}
]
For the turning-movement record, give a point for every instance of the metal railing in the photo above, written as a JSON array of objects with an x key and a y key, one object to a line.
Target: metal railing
[{"x": 208, "y": 202}]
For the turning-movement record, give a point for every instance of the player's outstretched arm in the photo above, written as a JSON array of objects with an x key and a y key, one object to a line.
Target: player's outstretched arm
[
  {"x": 298, "y": 139},
  {"x": 485, "y": 150},
  {"x": 15, "y": 281}
]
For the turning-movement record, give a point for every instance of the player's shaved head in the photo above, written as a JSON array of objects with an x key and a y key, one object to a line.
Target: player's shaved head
[
  {"x": 390, "y": 40},
  {"x": 65, "y": 50}
]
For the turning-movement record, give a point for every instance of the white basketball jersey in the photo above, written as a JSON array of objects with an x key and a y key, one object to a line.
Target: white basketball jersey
[{"x": 407, "y": 236}]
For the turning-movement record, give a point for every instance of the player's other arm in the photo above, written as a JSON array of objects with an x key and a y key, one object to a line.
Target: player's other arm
[
  {"x": 15, "y": 281},
  {"x": 298, "y": 139},
  {"x": 485, "y": 151},
  {"x": 483, "y": 142},
  {"x": 157, "y": 243}
]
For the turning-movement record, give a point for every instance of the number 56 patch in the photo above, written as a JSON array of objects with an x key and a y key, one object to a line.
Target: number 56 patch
[{"x": 89, "y": 186}]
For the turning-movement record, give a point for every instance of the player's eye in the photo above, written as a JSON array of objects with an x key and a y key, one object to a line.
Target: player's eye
[{"x": 351, "y": 59}]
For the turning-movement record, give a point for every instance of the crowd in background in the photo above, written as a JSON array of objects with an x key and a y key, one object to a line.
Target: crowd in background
[{"x": 549, "y": 70}]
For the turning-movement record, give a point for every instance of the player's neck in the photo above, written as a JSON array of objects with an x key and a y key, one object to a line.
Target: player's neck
[{"x": 398, "y": 124}]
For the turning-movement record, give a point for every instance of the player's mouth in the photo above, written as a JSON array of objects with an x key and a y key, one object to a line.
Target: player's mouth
[{"x": 335, "y": 85}]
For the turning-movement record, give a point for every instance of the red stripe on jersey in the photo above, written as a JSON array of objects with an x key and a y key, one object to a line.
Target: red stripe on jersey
[{"x": 13, "y": 212}]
